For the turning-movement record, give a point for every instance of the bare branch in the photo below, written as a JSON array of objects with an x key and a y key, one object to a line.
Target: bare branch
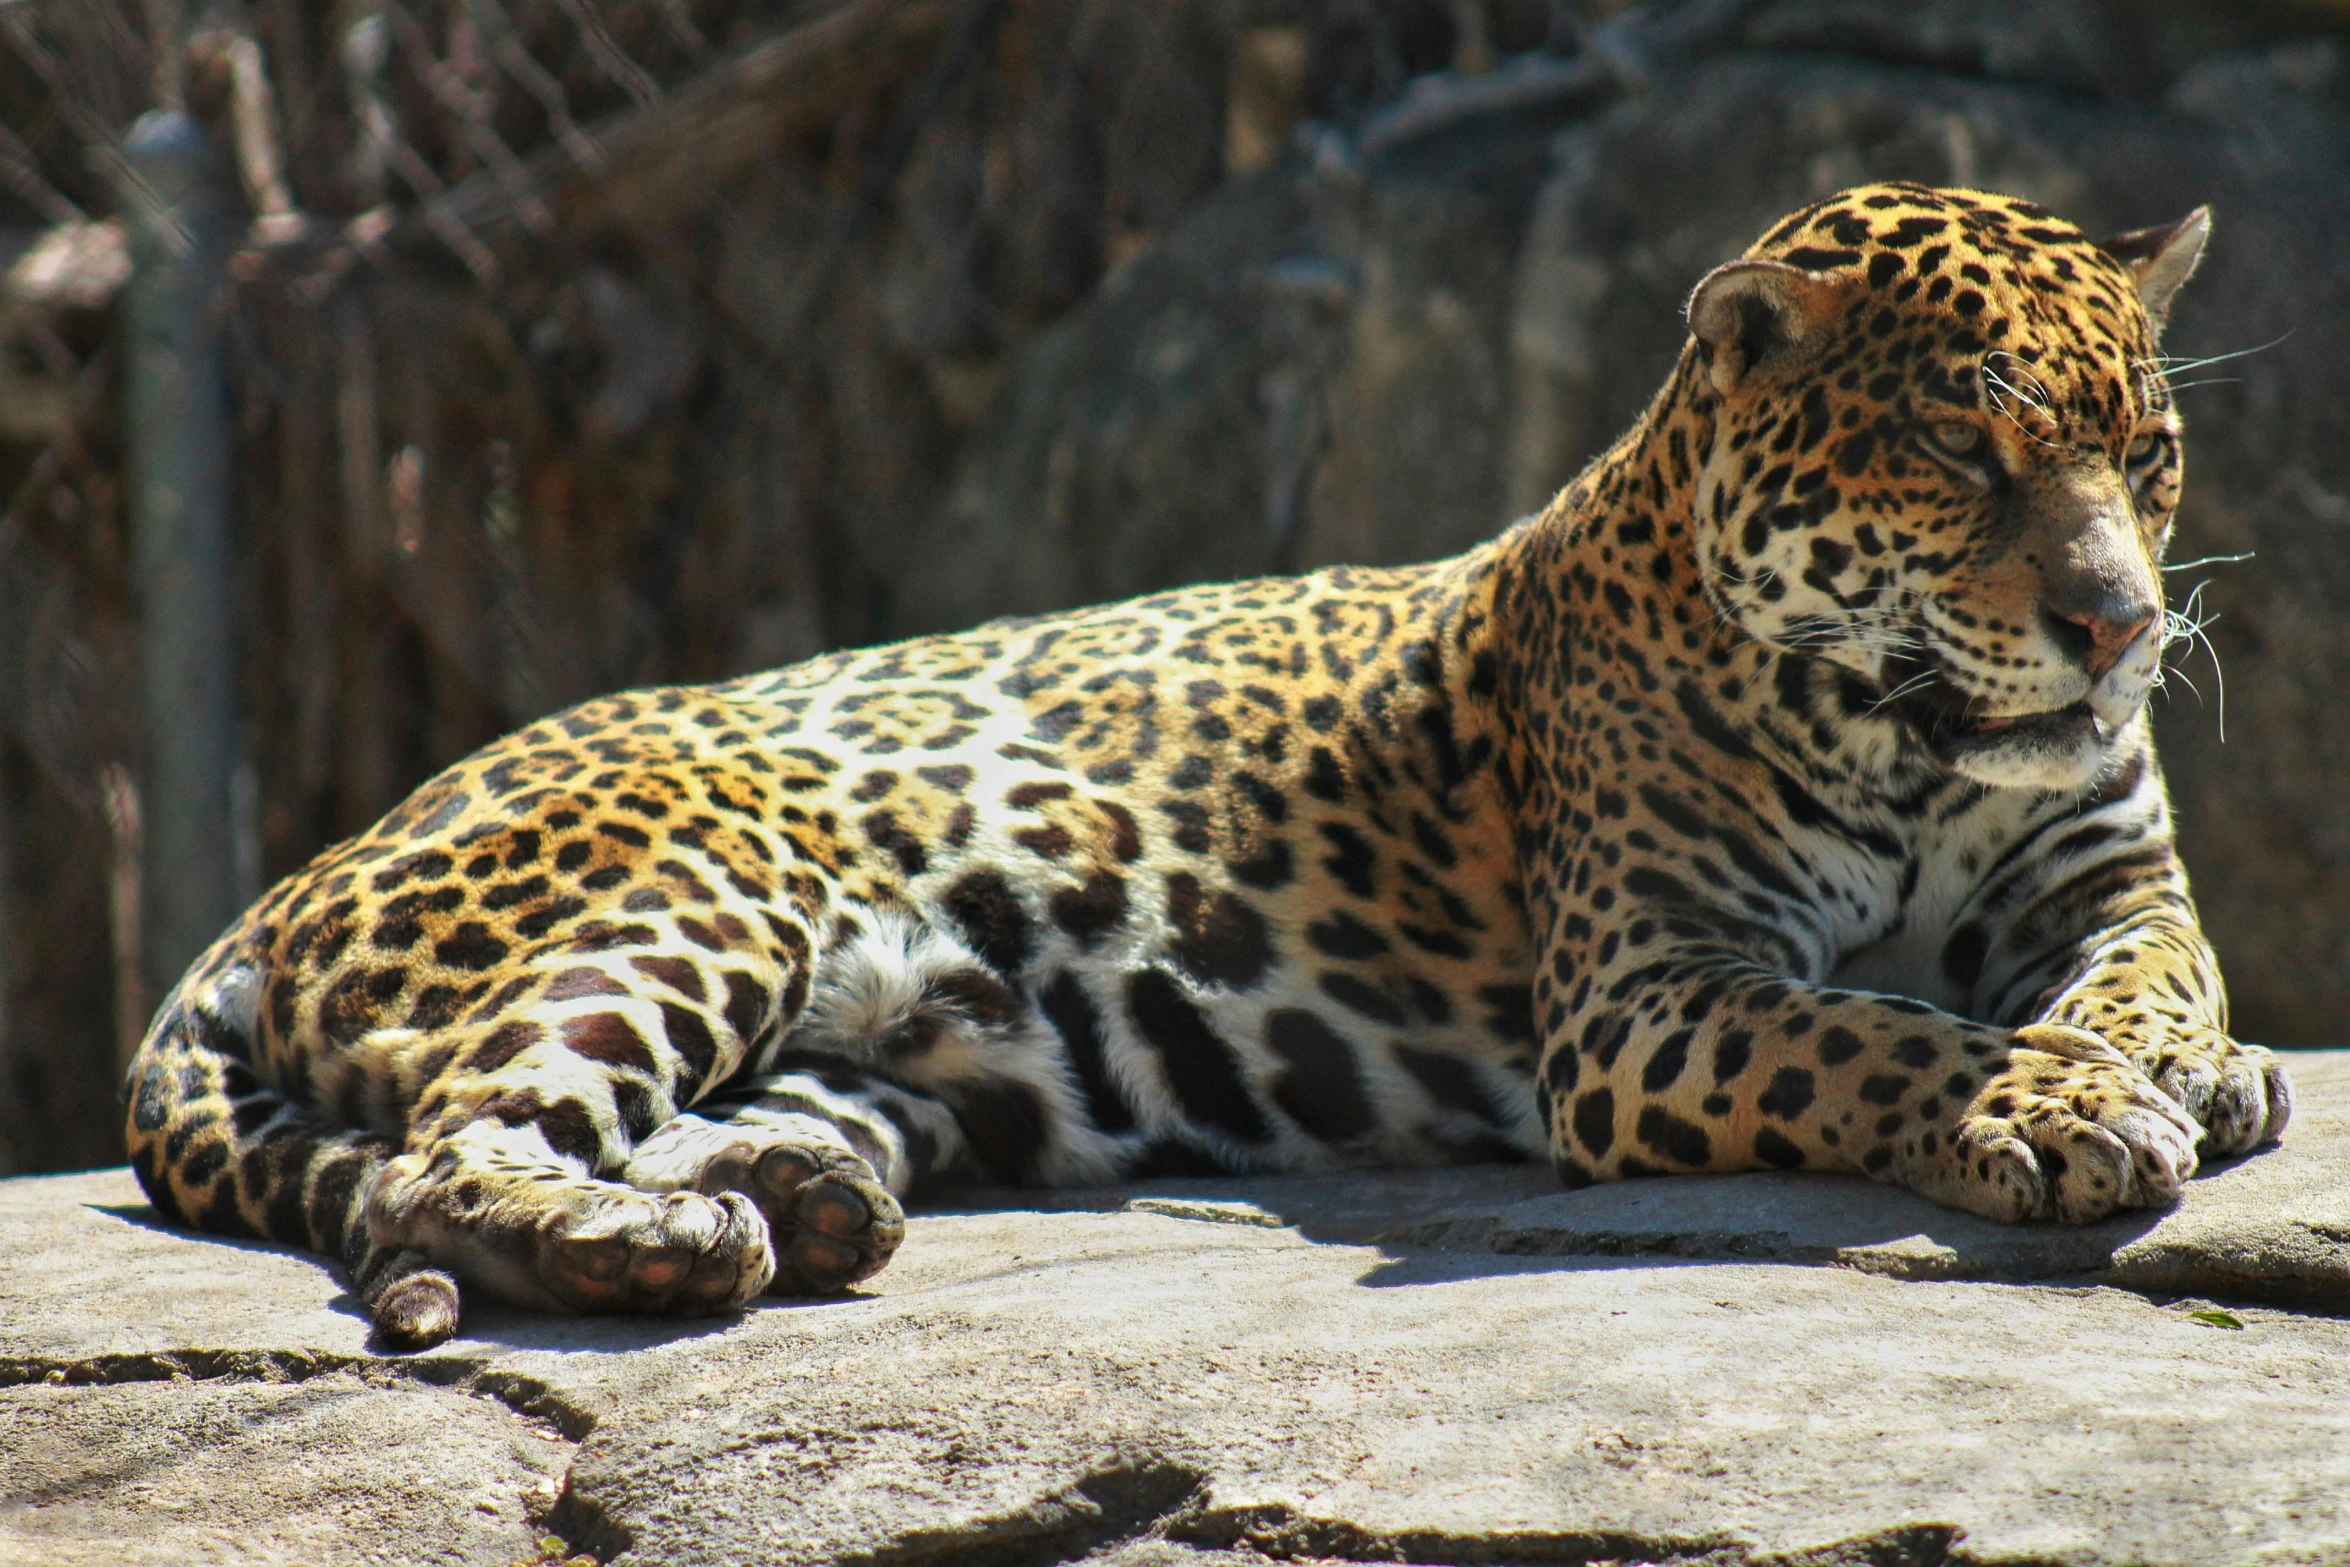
[{"x": 657, "y": 159}]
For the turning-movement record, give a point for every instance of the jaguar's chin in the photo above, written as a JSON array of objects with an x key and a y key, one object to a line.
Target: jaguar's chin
[
  {"x": 2058, "y": 750},
  {"x": 2054, "y": 748}
]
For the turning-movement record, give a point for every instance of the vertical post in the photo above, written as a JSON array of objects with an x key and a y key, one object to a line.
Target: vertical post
[{"x": 182, "y": 564}]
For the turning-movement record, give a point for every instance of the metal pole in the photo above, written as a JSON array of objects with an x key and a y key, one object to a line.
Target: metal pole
[{"x": 182, "y": 562}]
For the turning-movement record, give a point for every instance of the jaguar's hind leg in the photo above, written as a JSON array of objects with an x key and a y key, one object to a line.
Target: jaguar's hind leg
[
  {"x": 513, "y": 1178},
  {"x": 824, "y": 1154},
  {"x": 498, "y": 1212}
]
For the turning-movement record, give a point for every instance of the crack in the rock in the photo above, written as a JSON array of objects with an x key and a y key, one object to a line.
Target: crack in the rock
[
  {"x": 525, "y": 1396},
  {"x": 1108, "y": 1507},
  {"x": 2159, "y": 1285},
  {"x": 1281, "y": 1534},
  {"x": 1165, "y": 1500},
  {"x": 1119, "y": 1502}
]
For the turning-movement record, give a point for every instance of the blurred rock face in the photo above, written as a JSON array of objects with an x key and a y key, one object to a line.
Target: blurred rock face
[{"x": 1336, "y": 360}]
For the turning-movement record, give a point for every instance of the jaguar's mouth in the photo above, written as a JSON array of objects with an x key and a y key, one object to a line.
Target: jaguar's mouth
[{"x": 1953, "y": 722}]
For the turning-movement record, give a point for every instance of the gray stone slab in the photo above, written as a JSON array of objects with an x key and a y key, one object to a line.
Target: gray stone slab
[
  {"x": 1128, "y": 1375},
  {"x": 1465, "y": 1366},
  {"x": 87, "y": 1270},
  {"x": 335, "y": 1467}
]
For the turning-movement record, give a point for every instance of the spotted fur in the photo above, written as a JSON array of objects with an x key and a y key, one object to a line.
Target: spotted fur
[{"x": 1780, "y": 797}]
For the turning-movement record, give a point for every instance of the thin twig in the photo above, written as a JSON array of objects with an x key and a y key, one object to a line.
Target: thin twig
[
  {"x": 467, "y": 108},
  {"x": 539, "y": 82},
  {"x": 889, "y": 161},
  {"x": 632, "y": 78},
  {"x": 20, "y": 171}
]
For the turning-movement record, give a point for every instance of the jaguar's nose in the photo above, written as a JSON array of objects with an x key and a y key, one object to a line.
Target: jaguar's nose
[{"x": 2098, "y": 638}]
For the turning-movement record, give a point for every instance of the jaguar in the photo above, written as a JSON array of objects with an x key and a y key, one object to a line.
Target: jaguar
[{"x": 1780, "y": 797}]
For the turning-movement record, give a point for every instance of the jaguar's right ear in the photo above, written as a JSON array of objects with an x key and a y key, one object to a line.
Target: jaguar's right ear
[{"x": 1764, "y": 317}]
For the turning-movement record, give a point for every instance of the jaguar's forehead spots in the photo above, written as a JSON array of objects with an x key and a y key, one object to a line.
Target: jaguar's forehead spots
[{"x": 1972, "y": 302}]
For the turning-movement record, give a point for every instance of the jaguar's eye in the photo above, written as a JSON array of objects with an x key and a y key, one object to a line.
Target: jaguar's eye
[
  {"x": 1966, "y": 449},
  {"x": 2144, "y": 447},
  {"x": 1957, "y": 439}
]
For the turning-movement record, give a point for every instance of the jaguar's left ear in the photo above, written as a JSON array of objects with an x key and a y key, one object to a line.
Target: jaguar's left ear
[{"x": 2161, "y": 259}]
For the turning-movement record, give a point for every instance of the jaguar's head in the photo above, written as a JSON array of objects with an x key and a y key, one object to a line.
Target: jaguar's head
[{"x": 1945, "y": 458}]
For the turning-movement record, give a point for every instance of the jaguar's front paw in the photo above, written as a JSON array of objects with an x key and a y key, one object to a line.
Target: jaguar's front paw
[
  {"x": 2240, "y": 1095},
  {"x": 2066, "y": 1130}
]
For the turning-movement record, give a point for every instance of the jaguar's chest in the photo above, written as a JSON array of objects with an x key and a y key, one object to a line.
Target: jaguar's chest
[{"x": 1905, "y": 908}]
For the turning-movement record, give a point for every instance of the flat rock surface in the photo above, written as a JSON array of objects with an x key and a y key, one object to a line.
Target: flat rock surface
[
  {"x": 1466, "y": 1366},
  {"x": 2272, "y": 1228}
]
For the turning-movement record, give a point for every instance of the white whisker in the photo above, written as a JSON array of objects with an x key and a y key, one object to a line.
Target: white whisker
[
  {"x": 2000, "y": 384},
  {"x": 2186, "y": 625},
  {"x": 2171, "y": 366},
  {"x": 1913, "y": 683},
  {"x": 2039, "y": 386}
]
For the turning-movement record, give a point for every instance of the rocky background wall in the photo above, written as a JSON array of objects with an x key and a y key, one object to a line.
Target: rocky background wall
[{"x": 586, "y": 343}]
